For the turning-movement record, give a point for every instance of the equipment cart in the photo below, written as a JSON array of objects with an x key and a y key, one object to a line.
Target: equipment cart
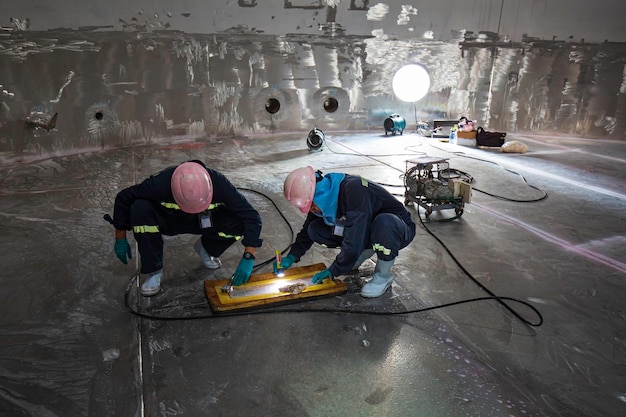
[{"x": 428, "y": 184}]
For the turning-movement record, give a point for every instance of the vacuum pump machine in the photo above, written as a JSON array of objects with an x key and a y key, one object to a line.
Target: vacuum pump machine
[{"x": 431, "y": 184}]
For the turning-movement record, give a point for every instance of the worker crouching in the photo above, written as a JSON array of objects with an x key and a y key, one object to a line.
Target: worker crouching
[
  {"x": 351, "y": 213},
  {"x": 186, "y": 199}
]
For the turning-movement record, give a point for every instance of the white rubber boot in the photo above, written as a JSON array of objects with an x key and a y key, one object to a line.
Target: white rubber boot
[
  {"x": 152, "y": 285},
  {"x": 364, "y": 256},
  {"x": 381, "y": 281},
  {"x": 207, "y": 260}
]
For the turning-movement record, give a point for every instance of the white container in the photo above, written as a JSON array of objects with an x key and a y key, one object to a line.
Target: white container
[
  {"x": 466, "y": 142},
  {"x": 461, "y": 189}
]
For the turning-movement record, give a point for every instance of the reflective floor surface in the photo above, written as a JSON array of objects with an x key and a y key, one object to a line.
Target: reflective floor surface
[{"x": 545, "y": 229}]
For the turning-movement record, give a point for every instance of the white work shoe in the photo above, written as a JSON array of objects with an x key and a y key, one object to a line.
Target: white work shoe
[
  {"x": 152, "y": 285},
  {"x": 381, "y": 281},
  {"x": 207, "y": 260}
]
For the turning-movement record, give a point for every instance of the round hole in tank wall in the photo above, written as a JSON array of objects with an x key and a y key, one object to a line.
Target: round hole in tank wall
[
  {"x": 272, "y": 105},
  {"x": 331, "y": 104},
  {"x": 102, "y": 123}
]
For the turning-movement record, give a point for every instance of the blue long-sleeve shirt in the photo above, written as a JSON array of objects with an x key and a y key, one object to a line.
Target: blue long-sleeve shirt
[
  {"x": 157, "y": 188},
  {"x": 360, "y": 201}
]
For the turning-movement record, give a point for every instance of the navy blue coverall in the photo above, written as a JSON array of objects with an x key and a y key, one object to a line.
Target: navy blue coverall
[
  {"x": 374, "y": 219},
  {"x": 149, "y": 209}
]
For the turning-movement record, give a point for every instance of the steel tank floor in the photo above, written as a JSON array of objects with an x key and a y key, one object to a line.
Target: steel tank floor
[{"x": 546, "y": 229}]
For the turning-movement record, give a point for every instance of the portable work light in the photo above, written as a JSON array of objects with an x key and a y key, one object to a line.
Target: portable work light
[{"x": 411, "y": 83}]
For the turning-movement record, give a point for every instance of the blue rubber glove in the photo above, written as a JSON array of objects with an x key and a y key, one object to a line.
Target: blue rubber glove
[
  {"x": 244, "y": 269},
  {"x": 321, "y": 276},
  {"x": 122, "y": 250},
  {"x": 285, "y": 263}
]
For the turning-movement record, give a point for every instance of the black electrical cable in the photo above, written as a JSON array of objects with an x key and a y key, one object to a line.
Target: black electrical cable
[
  {"x": 483, "y": 287},
  {"x": 270, "y": 260},
  {"x": 534, "y": 200},
  {"x": 492, "y": 296},
  {"x": 269, "y": 310},
  {"x": 407, "y": 148},
  {"x": 467, "y": 178}
]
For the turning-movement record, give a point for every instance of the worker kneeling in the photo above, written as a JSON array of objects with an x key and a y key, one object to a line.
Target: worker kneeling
[
  {"x": 351, "y": 213},
  {"x": 189, "y": 198}
]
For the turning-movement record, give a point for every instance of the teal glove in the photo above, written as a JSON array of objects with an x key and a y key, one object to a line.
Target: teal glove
[
  {"x": 122, "y": 250},
  {"x": 285, "y": 263},
  {"x": 244, "y": 269},
  {"x": 321, "y": 276}
]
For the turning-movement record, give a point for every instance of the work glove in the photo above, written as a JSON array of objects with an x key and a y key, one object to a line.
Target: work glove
[
  {"x": 244, "y": 269},
  {"x": 321, "y": 276},
  {"x": 285, "y": 263},
  {"x": 122, "y": 250}
]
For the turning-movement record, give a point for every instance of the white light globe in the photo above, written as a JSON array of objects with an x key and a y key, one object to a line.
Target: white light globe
[{"x": 411, "y": 83}]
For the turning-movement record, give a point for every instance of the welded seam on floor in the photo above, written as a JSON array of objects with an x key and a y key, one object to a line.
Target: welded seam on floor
[
  {"x": 140, "y": 359},
  {"x": 560, "y": 149},
  {"x": 142, "y": 403},
  {"x": 560, "y": 178},
  {"x": 589, "y": 254}
]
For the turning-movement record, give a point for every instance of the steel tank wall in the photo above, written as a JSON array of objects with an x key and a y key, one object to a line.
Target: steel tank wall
[
  {"x": 595, "y": 21},
  {"x": 118, "y": 75}
]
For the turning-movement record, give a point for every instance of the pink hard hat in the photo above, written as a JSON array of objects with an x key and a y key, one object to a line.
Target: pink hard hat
[
  {"x": 299, "y": 188},
  {"x": 192, "y": 187}
]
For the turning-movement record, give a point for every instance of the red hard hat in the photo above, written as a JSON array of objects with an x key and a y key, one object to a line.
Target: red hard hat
[
  {"x": 192, "y": 187},
  {"x": 299, "y": 188}
]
